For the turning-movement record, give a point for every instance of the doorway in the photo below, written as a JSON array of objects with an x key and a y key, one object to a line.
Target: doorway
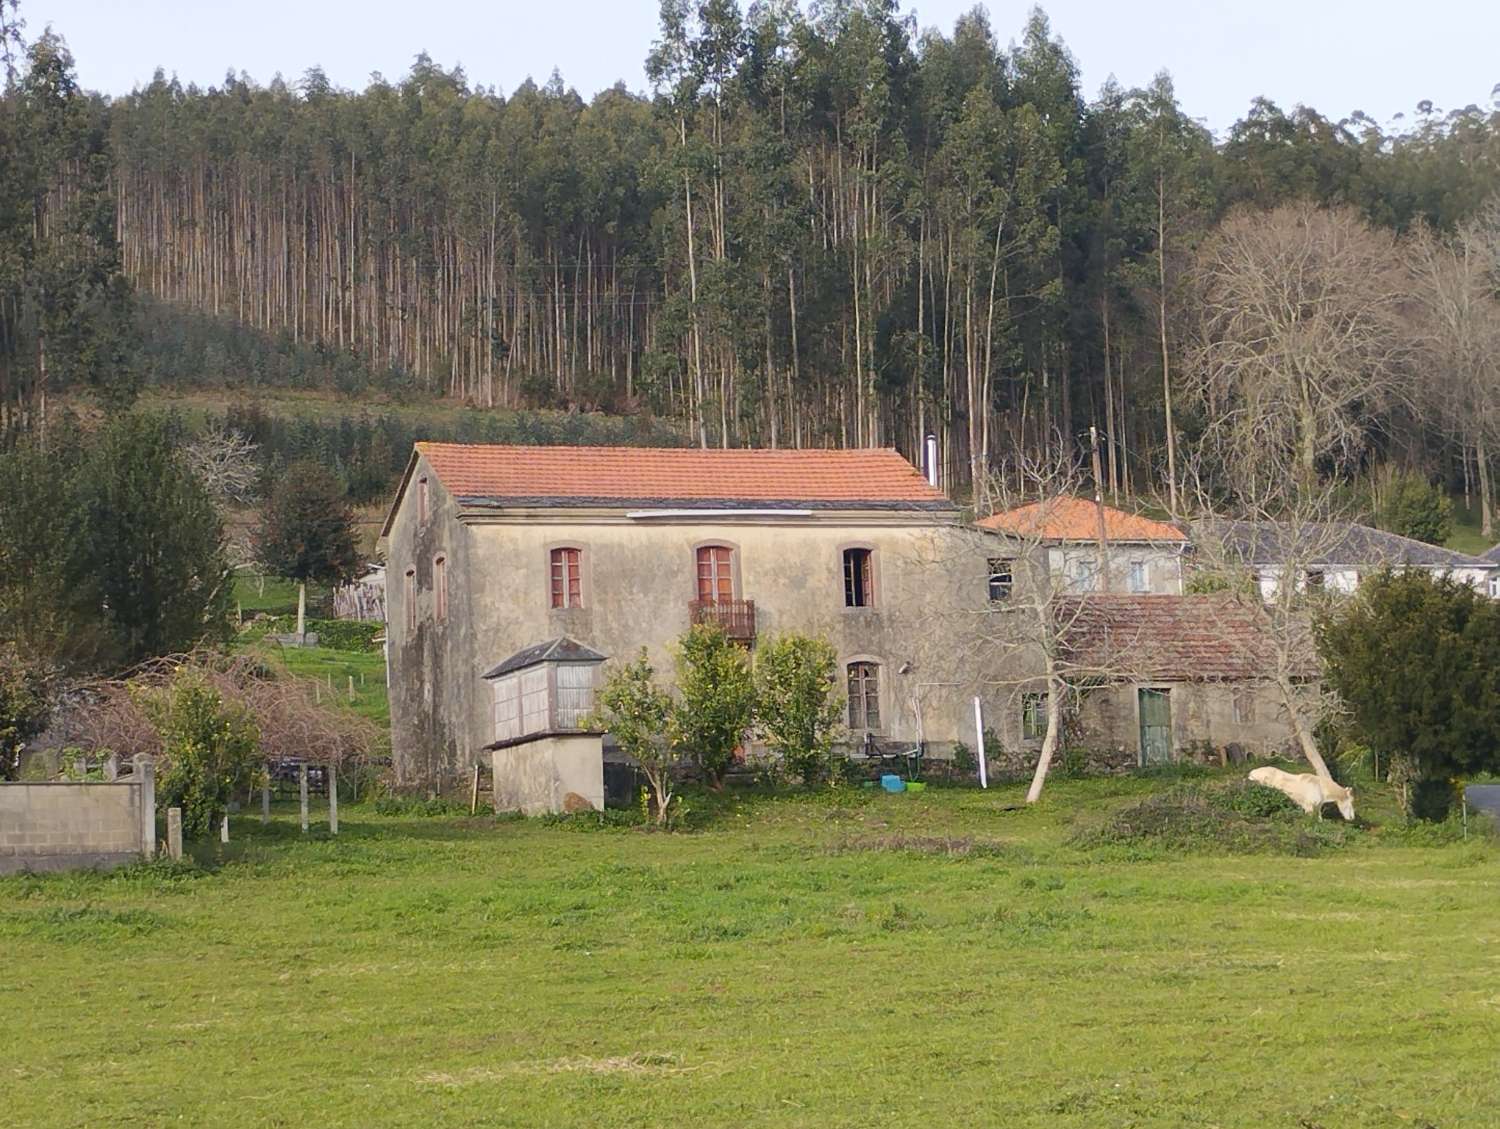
[{"x": 1156, "y": 725}]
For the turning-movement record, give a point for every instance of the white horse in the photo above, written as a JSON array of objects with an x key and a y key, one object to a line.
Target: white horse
[{"x": 1307, "y": 790}]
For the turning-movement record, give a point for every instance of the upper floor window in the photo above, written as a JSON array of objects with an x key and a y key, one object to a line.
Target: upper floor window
[
  {"x": 859, "y": 578},
  {"x": 715, "y": 574},
  {"x": 422, "y": 504},
  {"x": 440, "y": 589},
  {"x": 1138, "y": 576},
  {"x": 1082, "y": 574},
  {"x": 567, "y": 578},
  {"x": 409, "y": 598},
  {"x": 864, "y": 696},
  {"x": 1002, "y": 578}
]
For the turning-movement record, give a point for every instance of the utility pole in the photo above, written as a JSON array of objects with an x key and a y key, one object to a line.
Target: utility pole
[{"x": 1099, "y": 509}]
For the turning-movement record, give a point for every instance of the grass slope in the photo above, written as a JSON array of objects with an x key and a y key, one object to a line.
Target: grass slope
[{"x": 852, "y": 960}]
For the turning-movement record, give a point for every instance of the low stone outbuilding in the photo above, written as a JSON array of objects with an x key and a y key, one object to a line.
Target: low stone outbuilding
[{"x": 1187, "y": 676}]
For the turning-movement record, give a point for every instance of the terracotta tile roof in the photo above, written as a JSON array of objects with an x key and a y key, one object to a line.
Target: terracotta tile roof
[
  {"x": 1068, "y": 518},
  {"x": 680, "y": 476},
  {"x": 1175, "y": 638}
]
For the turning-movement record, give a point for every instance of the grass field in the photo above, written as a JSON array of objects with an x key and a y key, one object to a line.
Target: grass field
[{"x": 850, "y": 959}]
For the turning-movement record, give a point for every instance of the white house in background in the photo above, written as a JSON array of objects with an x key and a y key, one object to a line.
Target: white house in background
[
  {"x": 1493, "y": 557},
  {"x": 1335, "y": 555},
  {"x": 1145, "y": 556}
]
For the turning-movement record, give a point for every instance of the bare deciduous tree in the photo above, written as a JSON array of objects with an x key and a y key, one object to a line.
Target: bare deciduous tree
[
  {"x": 1458, "y": 334},
  {"x": 224, "y": 460},
  {"x": 1299, "y": 338}
]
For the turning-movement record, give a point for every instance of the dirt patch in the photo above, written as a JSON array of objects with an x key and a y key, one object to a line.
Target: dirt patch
[
  {"x": 948, "y": 846},
  {"x": 641, "y": 1063}
]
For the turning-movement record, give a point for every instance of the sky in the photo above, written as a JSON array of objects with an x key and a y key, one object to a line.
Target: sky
[{"x": 1338, "y": 56}]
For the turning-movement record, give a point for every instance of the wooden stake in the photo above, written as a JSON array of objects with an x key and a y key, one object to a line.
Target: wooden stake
[
  {"x": 474, "y": 792},
  {"x": 265, "y": 802},
  {"x": 351, "y": 687},
  {"x": 302, "y": 788},
  {"x": 333, "y": 799}
]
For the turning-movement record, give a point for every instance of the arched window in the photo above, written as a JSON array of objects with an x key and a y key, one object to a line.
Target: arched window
[
  {"x": 422, "y": 500},
  {"x": 409, "y": 598},
  {"x": 715, "y": 574},
  {"x": 440, "y": 589},
  {"x": 567, "y": 578},
  {"x": 864, "y": 696}
]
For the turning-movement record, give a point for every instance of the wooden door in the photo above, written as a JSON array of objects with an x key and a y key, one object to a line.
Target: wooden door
[
  {"x": 1156, "y": 726},
  {"x": 715, "y": 574}
]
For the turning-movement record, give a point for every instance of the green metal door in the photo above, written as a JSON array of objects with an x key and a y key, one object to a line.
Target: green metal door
[{"x": 1156, "y": 726}]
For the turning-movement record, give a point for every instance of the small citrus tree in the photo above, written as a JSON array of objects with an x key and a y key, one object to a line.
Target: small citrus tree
[
  {"x": 635, "y": 711},
  {"x": 717, "y": 702},
  {"x": 211, "y": 748},
  {"x": 796, "y": 707}
]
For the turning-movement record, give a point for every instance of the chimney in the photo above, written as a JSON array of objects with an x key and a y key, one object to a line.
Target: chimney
[{"x": 930, "y": 460}]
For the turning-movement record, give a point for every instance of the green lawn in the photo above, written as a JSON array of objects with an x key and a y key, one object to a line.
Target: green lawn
[
  {"x": 333, "y": 669},
  {"x": 847, "y": 960}
]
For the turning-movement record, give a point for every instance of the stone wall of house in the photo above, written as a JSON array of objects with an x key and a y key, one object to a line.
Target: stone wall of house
[
  {"x": 62, "y": 825},
  {"x": 1240, "y": 719}
]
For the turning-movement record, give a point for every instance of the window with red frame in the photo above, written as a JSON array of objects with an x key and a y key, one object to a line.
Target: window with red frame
[
  {"x": 567, "y": 578},
  {"x": 715, "y": 574}
]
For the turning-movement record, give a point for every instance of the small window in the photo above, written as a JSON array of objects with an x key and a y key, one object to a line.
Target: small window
[
  {"x": 1315, "y": 579},
  {"x": 1495, "y": 587},
  {"x": 1002, "y": 579},
  {"x": 422, "y": 500},
  {"x": 1033, "y": 716},
  {"x": 864, "y": 696},
  {"x": 1244, "y": 707},
  {"x": 1082, "y": 573},
  {"x": 567, "y": 578},
  {"x": 859, "y": 578},
  {"x": 1138, "y": 576},
  {"x": 440, "y": 589},
  {"x": 409, "y": 598},
  {"x": 715, "y": 574}
]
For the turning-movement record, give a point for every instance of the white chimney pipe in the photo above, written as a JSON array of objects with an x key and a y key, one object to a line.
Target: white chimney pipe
[{"x": 931, "y": 460}]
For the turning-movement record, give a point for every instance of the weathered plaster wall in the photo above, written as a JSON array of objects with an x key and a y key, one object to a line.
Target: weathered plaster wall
[
  {"x": 538, "y": 776},
  {"x": 433, "y": 684},
  {"x": 59, "y": 825},
  {"x": 1201, "y": 712},
  {"x": 1163, "y": 567}
]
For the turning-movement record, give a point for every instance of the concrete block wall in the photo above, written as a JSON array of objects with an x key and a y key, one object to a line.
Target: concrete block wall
[{"x": 63, "y": 825}]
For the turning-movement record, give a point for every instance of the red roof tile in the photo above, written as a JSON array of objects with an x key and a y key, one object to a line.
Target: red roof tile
[
  {"x": 1067, "y": 518},
  {"x": 657, "y": 475},
  {"x": 1179, "y": 638}
]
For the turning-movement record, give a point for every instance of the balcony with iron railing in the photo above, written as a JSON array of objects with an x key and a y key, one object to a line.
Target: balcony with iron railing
[{"x": 736, "y": 617}]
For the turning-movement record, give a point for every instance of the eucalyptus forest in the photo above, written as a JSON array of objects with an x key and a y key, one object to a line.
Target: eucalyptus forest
[{"x": 821, "y": 227}]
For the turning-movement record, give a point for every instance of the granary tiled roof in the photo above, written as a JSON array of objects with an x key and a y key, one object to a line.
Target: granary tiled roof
[
  {"x": 559, "y": 650},
  {"x": 680, "y": 477},
  {"x": 1174, "y": 638},
  {"x": 1069, "y": 518}
]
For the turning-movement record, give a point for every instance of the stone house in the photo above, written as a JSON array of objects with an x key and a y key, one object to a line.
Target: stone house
[
  {"x": 493, "y": 550},
  {"x": 1190, "y": 676},
  {"x": 1143, "y": 555}
]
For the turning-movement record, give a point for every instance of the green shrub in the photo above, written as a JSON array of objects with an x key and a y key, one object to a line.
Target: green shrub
[
  {"x": 211, "y": 749},
  {"x": 963, "y": 759},
  {"x": 1413, "y": 507},
  {"x": 23, "y": 707},
  {"x": 397, "y": 804},
  {"x": 717, "y": 700},
  {"x": 798, "y": 711}
]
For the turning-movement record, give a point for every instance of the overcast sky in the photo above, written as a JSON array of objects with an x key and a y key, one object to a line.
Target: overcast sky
[{"x": 1379, "y": 56}]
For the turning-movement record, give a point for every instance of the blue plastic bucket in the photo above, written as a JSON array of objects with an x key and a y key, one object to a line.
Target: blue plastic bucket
[{"x": 892, "y": 783}]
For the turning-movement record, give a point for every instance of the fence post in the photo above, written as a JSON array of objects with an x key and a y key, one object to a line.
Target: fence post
[
  {"x": 333, "y": 799},
  {"x": 112, "y": 767},
  {"x": 224, "y": 829},
  {"x": 265, "y": 802},
  {"x": 145, "y": 777},
  {"x": 174, "y": 834},
  {"x": 81, "y": 766},
  {"x": 302, "y": 788}
]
